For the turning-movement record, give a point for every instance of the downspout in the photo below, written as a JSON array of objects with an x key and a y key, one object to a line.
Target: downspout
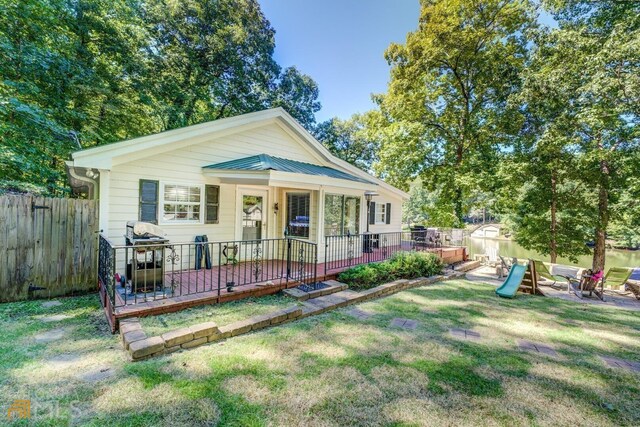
[{"x": 92, "y": 184}]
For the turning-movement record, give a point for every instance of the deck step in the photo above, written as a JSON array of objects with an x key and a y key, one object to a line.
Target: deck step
[{"x": 300, "y": 295}]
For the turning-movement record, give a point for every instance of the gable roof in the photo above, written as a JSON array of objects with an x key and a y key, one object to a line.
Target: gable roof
[
  {"x": 106, "y": 156},
  {"x": 264, "y": 162}
]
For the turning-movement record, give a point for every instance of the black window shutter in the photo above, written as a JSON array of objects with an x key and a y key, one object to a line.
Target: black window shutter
[
  {"x": 388, "y": 215},
  {"x": 212, "y": 201},
  {"x": 148, "y": 209},
  {"x": 372, "y": 213}
]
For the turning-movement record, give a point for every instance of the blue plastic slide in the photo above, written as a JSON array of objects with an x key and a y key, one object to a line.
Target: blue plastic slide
[{"x": 510, "y": 286}]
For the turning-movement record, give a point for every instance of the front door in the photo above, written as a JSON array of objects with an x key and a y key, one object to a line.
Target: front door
[{"x": 253, "y": 214}]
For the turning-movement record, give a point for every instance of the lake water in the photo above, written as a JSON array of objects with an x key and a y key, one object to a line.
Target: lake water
[{"x": 509, "y": 248}]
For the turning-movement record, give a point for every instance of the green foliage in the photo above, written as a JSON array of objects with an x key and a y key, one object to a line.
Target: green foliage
[
  {"x": 89, "y": 72},
  {"x": 298, "y": 94},
  {"x": 446, "y": 114},
  {"x": 349, "y": 140},
  {"x": 624, "y": 228},
  {"x": 414, "y": 210},
  {"x": 402, "y": 265},
  {"x": 583, "y": 123},
  {"x": 21, "y": 187}
]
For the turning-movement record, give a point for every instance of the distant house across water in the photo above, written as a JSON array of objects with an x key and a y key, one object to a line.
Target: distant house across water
[{"x": 490, "y": 231}]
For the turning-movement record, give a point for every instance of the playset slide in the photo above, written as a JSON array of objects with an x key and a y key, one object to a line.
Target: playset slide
[{"x": 510, "y": 286}]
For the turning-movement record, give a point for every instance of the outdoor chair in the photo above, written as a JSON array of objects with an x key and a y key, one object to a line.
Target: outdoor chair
[
  {"x": 432, "y": 238},
  {"x": 418, "y": 235},
  {"x": 506, "y": 264},
  {"x": 589, "y": 282},
  {"x": 493, "y": 259},
  {"x": 633, "y": 283},
  {"x": 634, "y": 288},
  {"x": 544, "y": 272},
  {"x": 617, "y": 277}
]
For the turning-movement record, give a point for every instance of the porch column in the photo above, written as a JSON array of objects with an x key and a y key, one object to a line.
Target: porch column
[
  {"x": 103, "y": 202},
  {"x": 320, "y": 228}
]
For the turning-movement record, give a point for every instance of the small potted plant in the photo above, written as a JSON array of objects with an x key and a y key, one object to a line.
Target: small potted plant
[{"x": 230, "y": 286}]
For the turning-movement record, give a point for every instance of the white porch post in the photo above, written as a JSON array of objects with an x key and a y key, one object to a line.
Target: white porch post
[
  {"x": 320, "y": 228},
  {"x": 103, "y": 202}
]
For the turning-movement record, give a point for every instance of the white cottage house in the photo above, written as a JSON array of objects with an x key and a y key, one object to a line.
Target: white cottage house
[
  {"x": 278, "y": 210},
  {"x": 254, "y": 176}
]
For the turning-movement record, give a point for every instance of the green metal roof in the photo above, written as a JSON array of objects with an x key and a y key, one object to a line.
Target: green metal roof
[{"x": 264, "y": 162}]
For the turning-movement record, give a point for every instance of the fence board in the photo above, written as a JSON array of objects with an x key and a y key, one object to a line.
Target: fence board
[
  {"x": 4, "y": 237},
  {"x": 68, "y": 246},
  {"x": 76, "y": 243},
  {"x": 12, "y": 243},
  {"x": 24, "y": 244},
  {"x": 54, "y": 246},
  {"x": 90, "y": 252},
  {"x": 51, "y": 281},
  {"x": 37, "y": 273}
]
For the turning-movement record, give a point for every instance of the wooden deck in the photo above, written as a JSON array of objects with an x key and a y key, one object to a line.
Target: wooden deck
[{"x": 208, "y": 286}]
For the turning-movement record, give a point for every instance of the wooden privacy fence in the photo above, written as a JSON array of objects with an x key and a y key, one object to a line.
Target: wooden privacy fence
[{"x": 47, "y": 243}]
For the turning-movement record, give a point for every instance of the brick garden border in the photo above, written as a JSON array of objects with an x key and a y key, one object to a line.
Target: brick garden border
[{"x": 141, "y": 347}]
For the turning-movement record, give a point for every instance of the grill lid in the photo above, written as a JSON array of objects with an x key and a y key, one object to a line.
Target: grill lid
[{"x": 143, "y": 230}]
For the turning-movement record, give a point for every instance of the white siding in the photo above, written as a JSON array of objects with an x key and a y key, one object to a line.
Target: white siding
[
  {"x": 185, "y": 166},
  {"x": 396, "y": 213},
  {"x": 383, "y": 197}
]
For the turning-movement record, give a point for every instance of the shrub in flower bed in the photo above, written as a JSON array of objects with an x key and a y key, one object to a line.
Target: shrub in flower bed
[{"x": 402, "y": 265}]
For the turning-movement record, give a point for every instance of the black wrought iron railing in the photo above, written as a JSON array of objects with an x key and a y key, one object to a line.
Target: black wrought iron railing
[
  {"x": 353, "y": 249},
  {"x": 106, "y": 264},
  {"x": 149, "y": 271}
]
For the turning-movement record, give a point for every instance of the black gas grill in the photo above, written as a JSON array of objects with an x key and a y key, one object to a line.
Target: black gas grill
[{"x": 145, "y": 267}]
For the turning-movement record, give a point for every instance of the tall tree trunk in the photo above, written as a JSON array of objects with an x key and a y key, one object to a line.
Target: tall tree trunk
[
  {"x": 457, "y": 207},
  {"x": 85, "y": 58},
  {"x": 603, "y": 218},
  {"x": 457, "y": 202},
  {"x": 553, "y": 243}
]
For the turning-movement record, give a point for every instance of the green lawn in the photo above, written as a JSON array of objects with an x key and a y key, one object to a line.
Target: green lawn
[
  {"x": 221, "y": 313},
  {"x": 335, "y": 370}
]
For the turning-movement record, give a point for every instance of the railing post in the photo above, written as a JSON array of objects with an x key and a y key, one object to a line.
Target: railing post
[
  {"x": 111, "y": 278},
  {"x": 315, "y": 264},
  {"x": 288, "y": 258},
  {"x": 326, "y": 250},
  {"x": 219, "y": 267}
]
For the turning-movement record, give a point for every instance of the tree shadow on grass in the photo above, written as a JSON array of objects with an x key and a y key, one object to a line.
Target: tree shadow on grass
[{"x": 458, "y": 374}]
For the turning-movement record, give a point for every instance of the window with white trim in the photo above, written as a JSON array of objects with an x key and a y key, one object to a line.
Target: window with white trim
[
  {"x": 182, "y": 203},
  {"x": 341, "y": 214},
  {"x": 381, "y": 213}
]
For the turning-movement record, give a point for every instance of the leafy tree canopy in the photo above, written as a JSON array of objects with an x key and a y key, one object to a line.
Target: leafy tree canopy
[
  {"x": 90, "y": 72},
  {"x": 446, "y": 110},
  {"x": 350, "y": 140}
]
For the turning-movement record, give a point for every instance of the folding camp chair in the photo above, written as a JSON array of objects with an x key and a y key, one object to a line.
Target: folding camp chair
[{"x": 543, "y": 271}]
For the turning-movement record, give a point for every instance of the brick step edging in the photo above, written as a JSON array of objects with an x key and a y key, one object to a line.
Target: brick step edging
[{"x": 141, "y": 347}]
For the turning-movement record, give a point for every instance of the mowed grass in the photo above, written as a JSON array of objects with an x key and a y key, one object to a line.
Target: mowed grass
[
  {"x": 335, "y": 370},
  {"x": 222, "y": 314}
]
